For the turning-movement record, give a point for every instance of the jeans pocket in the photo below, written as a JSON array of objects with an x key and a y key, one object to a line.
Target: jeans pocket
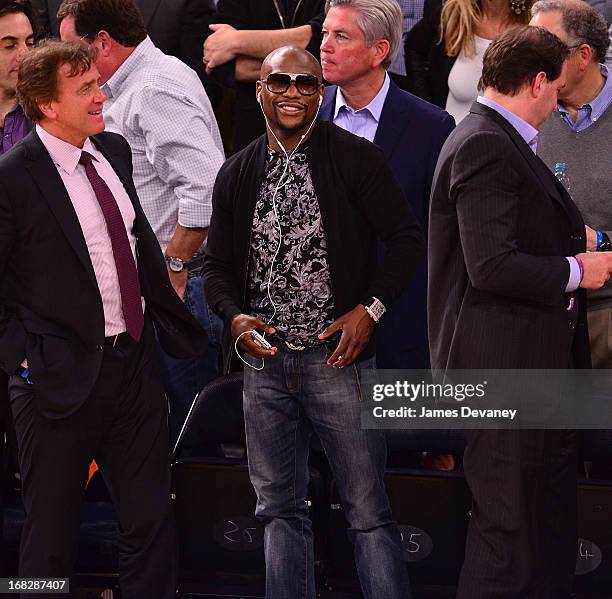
[{"x": 365, "y": 375}]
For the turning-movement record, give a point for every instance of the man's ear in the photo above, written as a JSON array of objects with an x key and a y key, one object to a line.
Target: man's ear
[
  {"x": 48, "y": 110},
  {"x": 381, "y": 51},
  {"x": 538, "y": 83},
  {"x": 105, "y": 43},
  {"x": 585, "y": 52}
]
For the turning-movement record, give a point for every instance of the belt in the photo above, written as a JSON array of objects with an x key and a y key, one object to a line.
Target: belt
[
  {"x": 116, "y": 340},
  {"x": 330, "y": 344}
]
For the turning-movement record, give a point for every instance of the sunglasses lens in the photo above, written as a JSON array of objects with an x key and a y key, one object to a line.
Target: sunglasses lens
[
  {"x": 307, "y": 84},
  {"x": 278, "y": 83}
]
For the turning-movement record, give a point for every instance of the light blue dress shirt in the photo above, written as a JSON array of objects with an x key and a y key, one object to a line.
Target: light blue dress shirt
[
  {"x": 530, "y": 135},
  {"x": 524, "y": 129},
  {"x": 363, "y": 122},
  {"x": 589, "y": 113}
]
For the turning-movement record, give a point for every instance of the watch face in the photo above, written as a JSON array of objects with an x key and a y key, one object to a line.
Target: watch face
[{"x": 175, "y": 264}]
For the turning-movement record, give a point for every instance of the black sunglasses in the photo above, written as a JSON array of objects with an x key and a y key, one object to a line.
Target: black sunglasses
[{"x": 278, "y": 83}]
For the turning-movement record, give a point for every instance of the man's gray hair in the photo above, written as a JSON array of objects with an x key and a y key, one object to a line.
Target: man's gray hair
[
  {"x": 379, "y": 20},
  {"x": 581, "y": 22}
]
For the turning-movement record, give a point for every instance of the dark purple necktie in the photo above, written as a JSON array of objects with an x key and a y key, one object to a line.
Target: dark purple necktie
[{"x": 127, "y": 273}]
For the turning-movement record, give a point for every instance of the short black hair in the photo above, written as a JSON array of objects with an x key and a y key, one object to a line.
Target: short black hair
[
  {"x": 10, "y": 7},
  {"x": 515, "y": 57},
  {"x": 120, "y": 18}
]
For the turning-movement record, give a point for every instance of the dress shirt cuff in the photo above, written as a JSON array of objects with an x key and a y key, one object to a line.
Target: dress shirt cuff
[
  {"x": 574, "y": 277},
  {"x": 193, "y": 214}
]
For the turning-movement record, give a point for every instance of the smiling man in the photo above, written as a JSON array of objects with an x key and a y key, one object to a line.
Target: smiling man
[
  {"x": 159, "y": 105},
  {"x": 74, "y": 337},
  {"x": 292, "y": 254}
]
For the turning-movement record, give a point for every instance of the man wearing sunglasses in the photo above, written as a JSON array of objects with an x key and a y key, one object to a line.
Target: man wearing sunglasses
[
  {"x": 292, "y": 256},
  {"x": 243, "y": 34}
]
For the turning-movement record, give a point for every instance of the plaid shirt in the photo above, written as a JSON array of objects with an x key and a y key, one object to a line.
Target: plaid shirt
[
  {"x": 159, "y": 105},
  {"x": 413, "y": 13}
]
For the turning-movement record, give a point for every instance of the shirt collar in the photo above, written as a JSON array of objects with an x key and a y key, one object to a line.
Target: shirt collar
[
  {"x": 523, "y": 128},
  {"x": 64, "y": 155},
  {"x": 141, "y": 52},
  {"x": 375, "y": 107},
  {"x": 600, "y": 103},
  {"x": 17, "y": 111}
]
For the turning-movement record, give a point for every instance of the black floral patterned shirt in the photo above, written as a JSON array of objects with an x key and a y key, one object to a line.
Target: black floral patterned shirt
[{"x": 302, "y": 304}]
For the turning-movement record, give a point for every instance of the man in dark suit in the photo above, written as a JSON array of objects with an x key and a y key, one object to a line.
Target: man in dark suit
[
  {"x": 507, "y": 272},
  {"x": 410, "y": 131},
  {"x": 16, "y": 37},
  {"x": 78, "y": 263}
]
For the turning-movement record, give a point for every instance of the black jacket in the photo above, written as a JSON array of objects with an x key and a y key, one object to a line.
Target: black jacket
[
  {"x": 50, "y": 306},
  {"x": 261, "y": 15},
  {"x": 360, "y": 202},
  {"x": 427, "y": 63}
]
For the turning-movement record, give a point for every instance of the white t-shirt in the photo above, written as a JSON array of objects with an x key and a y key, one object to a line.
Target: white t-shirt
[{"x": 463, "y": 80}]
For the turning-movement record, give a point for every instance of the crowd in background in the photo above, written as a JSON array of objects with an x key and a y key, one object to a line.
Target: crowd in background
[{"x": 190, "y": 83}]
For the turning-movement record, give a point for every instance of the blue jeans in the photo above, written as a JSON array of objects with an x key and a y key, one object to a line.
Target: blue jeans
[
  {"x": 296, "y": 393},
  {"x": 184, "y": 379}
]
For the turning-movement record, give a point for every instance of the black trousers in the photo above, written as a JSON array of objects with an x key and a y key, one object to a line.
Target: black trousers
[
  {"x": 123, "y": 426},
  {"x": 522, "y": 536},
  {"x": 4, "y": 417}
]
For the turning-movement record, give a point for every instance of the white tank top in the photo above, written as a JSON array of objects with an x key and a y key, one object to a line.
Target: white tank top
[{"x": 463, "y": 80}]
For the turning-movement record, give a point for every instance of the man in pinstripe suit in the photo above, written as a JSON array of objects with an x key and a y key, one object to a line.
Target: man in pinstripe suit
[{"x": 508, "y": 269}]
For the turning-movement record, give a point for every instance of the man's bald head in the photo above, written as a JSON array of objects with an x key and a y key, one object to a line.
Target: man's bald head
[
  {"x": 291, "y": 103},
  {"x": 291, "y": 59}
]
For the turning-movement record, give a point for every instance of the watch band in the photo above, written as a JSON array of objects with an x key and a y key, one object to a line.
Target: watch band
[
  {"x": 603, "y": 242},
  {"x": 176, "y": 264},
  {"x": 376, "y": 309}
]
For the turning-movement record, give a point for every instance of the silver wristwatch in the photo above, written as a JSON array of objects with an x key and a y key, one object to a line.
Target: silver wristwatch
[
  {"x": 376, "y": 309},
  {"x": 175, "y": 264}
]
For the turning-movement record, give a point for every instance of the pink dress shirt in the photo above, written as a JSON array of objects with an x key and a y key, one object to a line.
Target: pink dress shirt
[{"x": 66, "y": 158}]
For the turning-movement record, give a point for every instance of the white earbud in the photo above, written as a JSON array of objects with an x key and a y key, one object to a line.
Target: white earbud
[{"x": 320, "y": 101}]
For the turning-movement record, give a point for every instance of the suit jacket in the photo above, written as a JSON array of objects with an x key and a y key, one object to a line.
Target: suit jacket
[
  {"x": 411, "y": 133},
  {"x": 50, "y": 306},
  {"x": 500, "y": 228},
  {"x": 427, "y": 63}
]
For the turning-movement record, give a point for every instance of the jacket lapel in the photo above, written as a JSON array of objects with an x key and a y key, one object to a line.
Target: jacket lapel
[
  {"x": 394, "y": 119},
  {"x": 52, "y": 191},
  {"x": 537, "y": 166},
  {"x": 329, "y": 101},
  {"x": 542, "y": 172}
]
